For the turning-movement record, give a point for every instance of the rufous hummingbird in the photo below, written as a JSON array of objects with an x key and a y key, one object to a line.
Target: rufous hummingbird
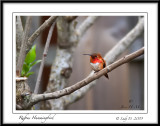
[{"x": 97, "y": 62}]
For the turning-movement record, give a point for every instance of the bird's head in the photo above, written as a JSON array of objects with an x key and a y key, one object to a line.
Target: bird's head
[{"x": 95, "y": 57}]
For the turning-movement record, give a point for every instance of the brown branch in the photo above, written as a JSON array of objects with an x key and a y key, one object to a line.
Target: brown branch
[
  {"x": 22, "y": 53},
  {"x": 46, "y": 24},
  {"x": 43, "y": 58},
  {"x": 66, "y": 91},
  {"x": 125, "y": 59},
  {"x": 111, "y": 56}
]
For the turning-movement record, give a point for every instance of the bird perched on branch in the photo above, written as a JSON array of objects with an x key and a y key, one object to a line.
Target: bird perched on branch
[{"x": 97, "y": 62}]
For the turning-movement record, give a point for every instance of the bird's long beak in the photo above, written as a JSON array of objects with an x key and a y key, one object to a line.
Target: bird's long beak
[{"x": 87, "y": 54}]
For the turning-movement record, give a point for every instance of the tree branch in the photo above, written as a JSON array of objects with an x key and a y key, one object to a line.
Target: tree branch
[
  {"x": 66, "y": 91},
  {"x": 87, "y": 23},
  {"x": 111, "y": 56},
  {"x": 23, "y": 46},
  {"x": 46, "y": 24},
  {"x": 43, "y": 58}
]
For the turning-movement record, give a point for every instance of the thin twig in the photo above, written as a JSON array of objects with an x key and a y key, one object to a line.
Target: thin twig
[
  {"x": 23, "y": 46},
  {"x": 43, "y": 58},
  {"x": 66, "y": 91},
  {"x": 46, "y": 24}
]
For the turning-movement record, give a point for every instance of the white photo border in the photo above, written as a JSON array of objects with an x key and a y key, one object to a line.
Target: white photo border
[
  {"x": 145, "y": 15},
  {"x": 113, "y": 114}
]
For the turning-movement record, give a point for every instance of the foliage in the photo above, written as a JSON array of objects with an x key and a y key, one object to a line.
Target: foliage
[{"x": 29, "y": 62}]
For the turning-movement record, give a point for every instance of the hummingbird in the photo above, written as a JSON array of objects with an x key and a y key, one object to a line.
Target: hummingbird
[{"x": 97, "y": 62}]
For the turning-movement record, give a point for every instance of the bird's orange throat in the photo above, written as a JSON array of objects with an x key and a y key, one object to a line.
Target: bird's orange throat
[{"x": 96, "y": 60}]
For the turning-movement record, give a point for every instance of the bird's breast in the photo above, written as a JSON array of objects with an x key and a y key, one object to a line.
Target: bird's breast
[{"x": 96, "y": 66}]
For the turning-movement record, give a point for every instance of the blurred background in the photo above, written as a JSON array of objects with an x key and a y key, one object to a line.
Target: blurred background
[{"x": 125, "y": 88}]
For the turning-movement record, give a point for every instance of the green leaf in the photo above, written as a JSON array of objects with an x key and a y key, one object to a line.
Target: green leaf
[
  {"x": 22, "y": 73},
  {"x": 25, "y": 69},
  {"x": 31, "y": 55},
  {"x": 34, "y": 63},
  {"x": 28, "y": 74},
  {"x": 29, "y": 62}
]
